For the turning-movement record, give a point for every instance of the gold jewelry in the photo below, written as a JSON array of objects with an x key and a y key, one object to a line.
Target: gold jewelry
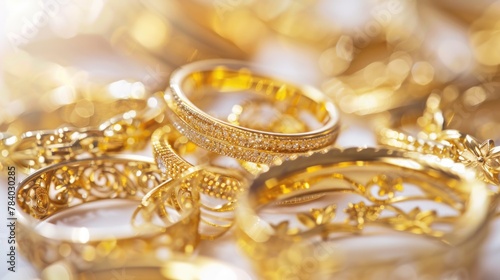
[
  {"x": 172, "y": 151},
  {"x": 36, "y": 149},
  {"x": 192, "y": 81},
  {"x": 176, "y": 266},
  {"x": 220, "y": 186},
  {"x": 61, "y": 187},
  {"x": 409, "y": 197},
  {"x": 438, "y": 139}
]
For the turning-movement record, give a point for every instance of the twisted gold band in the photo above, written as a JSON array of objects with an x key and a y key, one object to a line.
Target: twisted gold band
[
  {"x": 422, "y": 200},
  {"x": 192, "y": 81},
  {"x": 63, "y": 186}
]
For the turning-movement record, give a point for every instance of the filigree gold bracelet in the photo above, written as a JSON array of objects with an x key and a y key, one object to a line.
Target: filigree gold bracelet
[
  {"x": 62, "y": 187},
  {"x": 193, "y": 82},
  {"x": 434, "y": 211},
  {"x": 128, "y": 131},
  {"x": 437, "y": 137}
]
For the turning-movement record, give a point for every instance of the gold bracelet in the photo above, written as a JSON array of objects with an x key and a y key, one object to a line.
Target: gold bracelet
[
  {"x": 128, "y": 131},
  {"x": 432, "y": 210},
  {"x": 59, "y": 188},
  {"x": 436, "y": 137},
  {"x": 192, "y": 81},
  {"x": 176, "y": 266}
]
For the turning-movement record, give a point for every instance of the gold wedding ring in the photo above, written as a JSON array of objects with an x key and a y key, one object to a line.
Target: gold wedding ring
[{"x": 198, "y": 80}]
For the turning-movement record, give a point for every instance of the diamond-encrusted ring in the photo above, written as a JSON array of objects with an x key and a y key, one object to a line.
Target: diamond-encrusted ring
[{"x": 195, "y": 82}]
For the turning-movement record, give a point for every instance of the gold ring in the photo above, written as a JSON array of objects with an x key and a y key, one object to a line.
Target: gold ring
[
  {"x": 198, "y": 80},
  {"x": 287, "y": 229},
  {"x": 175, "y": 153},
  {"x": 65, "y": 187}
]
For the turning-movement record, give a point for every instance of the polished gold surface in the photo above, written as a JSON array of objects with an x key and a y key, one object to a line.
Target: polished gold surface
[
  {"x": 62, "y": 187},
  {"x": 367, "y": 193},
  {"x": 196, "y": 80}
]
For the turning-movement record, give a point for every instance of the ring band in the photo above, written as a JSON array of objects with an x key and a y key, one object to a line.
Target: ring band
[
  {"x": 390, "y": 193},
  {"x": 60, "y": 187},
  {"x": 173, "y": 165},
  {"x": 243, "y": 143}
]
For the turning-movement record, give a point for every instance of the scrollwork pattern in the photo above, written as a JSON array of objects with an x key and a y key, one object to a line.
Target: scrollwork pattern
[
  {"x": 66, "y": 185},
  {"x": 380, "y": 204}
]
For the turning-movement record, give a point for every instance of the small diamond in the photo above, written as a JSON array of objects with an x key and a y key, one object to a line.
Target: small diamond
[{"x": 161, "y": 166}]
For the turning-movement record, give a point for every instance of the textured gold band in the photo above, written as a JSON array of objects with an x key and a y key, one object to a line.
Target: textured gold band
[
  {"x": 194, "y": 80},
  {"x": 62, "y": 186},
  {"x": 388, "y": 193}
]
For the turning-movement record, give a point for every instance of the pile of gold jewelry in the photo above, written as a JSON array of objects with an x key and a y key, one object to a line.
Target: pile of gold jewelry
[{"x": 242, "y": 152}]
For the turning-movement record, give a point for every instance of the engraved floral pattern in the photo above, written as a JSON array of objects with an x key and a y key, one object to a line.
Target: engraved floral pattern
[
  {"x": 379, "y": 205},
  {"x": 484, "y": 156},
  {"x": 360, "y": 213}
]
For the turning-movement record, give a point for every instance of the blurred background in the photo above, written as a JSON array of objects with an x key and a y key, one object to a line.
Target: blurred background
[{"x": 68, "y": 60}]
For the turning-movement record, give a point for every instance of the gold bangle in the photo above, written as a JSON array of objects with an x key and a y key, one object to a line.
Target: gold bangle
[
  {"x": 175, "y": 267},
  {"x": 221, "y": 137},
  {"x": 128, "y": 131},
  {"x": 423, "y": 200},
  {"x": 60, "y": 187},
  {"x": 437, "y": 138}
]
